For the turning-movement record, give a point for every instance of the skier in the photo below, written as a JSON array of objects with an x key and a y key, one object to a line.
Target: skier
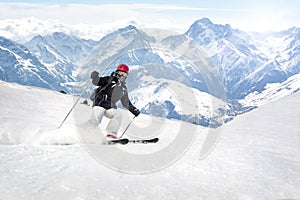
[{"x": 111, "y": 89}]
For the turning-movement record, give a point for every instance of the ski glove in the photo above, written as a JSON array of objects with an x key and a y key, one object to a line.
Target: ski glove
[
  {"x": 136, "y": 112},
  {"x": 94, "y": 74}
]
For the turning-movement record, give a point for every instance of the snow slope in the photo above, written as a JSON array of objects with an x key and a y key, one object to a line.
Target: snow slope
[
  {"x": 273, "y": 91},
  {"x": 255, "y": 157}
]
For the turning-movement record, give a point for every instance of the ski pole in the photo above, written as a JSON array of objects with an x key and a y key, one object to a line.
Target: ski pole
[
  {"x": 127, "y": 127},
  {"x": 87, "y": 85}
]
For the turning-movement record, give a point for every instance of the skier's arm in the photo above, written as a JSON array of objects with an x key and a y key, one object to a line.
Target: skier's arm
[
  {"x": 127, "y": 104},
  {"x": 99, "y": 81},
  {"x": 95, "y": 80},
  {"x": 95, "y": 77}
]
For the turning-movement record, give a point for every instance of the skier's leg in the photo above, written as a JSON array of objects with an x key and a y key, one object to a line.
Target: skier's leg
[
  {"x": 97, "y": 115},
  {"x": 114, "y": 124}
]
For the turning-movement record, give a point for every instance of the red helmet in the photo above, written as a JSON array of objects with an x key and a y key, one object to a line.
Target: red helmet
[{"x": 123, "y": 68}]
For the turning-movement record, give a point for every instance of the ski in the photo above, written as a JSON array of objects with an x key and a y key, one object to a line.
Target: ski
[
  {"x": 136, "y": 141},
  {"x": 118, "y": 141},
  {"x": 124, "y": 141},
  {"x": 144, "y": 141}
]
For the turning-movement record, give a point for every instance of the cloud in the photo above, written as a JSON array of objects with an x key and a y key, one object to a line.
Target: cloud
[
  {"x": 85, "y": 11},
  {"x": 177, "y": 18},
  {"x": 144, "y": 15}
]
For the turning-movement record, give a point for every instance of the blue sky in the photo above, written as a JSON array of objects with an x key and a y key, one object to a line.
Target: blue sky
[{"x": 254, "y": 15}]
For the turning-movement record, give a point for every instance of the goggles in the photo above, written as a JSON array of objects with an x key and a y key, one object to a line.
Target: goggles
[{"x": 123, "y": 74}]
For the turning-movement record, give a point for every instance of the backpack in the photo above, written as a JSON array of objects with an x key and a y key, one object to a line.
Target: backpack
[
  {"x": 100, "y": 89},
  {"x": 93, "y": 95}
]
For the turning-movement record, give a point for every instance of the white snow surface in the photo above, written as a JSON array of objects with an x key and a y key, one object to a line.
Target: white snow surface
[
  {"x": 273, "y": 92},
  {"x": 255, "y": 157}
]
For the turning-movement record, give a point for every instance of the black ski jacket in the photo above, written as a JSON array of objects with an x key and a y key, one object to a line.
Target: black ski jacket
[{"x": 110, "y": 91}]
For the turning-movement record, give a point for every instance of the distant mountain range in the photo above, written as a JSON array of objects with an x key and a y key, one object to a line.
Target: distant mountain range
[
  {"x": 18, "y": 64},
  {"x": 206, "y": 76},
  {"x": 248, "y": 61}
]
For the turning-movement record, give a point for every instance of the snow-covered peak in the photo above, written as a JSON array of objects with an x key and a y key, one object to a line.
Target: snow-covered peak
[
  {"x": 66, "y": 47},
  {"x": 205, "y": 21},
  {"x": 128, "y": 30},
  {"x": 205, "y": 26}
]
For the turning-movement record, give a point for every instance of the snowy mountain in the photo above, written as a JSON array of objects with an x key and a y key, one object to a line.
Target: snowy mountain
[
  {"x": 244, "y": 68},
  {"x": 61, "y": 54},
  {"x": 256, "y": 155},
  {"x": 283, "y": 47},
  {"x": 18, "y": 64},
  {"x": 293, "y": 52},
  {"x": 173, "y": 100},
  {"x": 60, "y": 47},
  {"x": 48, "y": 62}
]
